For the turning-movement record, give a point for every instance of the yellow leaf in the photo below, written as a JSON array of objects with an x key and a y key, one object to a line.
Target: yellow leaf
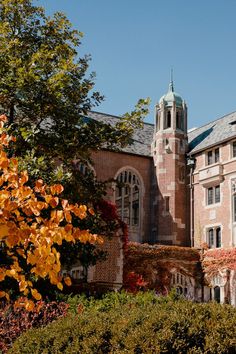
[
  {"x": 57, "y": 215},
  {"x": 29, "y": 305},
  {"x": 80, "y": 211},
  {"x": 60, "y": 286},
  {"x": 23, "y": 285},
  {"x": 24, "y": 177},
  {"x": 36, "y": 294}
]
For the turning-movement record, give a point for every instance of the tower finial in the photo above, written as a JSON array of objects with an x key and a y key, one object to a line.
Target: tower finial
[{"x": 171, "y": 85}]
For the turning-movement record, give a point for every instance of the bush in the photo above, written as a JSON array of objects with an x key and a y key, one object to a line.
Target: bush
[
  {"x": 144, "y": 323},
  {"x": 15, "y": 321}
]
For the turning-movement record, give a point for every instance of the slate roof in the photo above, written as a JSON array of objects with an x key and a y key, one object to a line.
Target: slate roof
[
  {"x": 142, "y": 138},
  {"x": 212, "y": 133},
  {"x": 199, "y": 139}
]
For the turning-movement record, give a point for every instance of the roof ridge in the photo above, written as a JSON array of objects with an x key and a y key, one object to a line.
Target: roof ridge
[{"x": 215, "y": 120}]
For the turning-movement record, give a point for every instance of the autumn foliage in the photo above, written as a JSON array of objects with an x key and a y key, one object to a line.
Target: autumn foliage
[
  {"x": 217, "y": 260},
  {"x": 14, "y": 321},
  {"x": 33, "y": 222}
]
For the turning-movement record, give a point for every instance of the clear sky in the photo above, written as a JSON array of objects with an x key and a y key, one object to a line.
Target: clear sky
[{"x": 134, "y": 44}]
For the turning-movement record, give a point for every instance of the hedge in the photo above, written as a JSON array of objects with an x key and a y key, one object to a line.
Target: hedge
[{"x": 136, "y": 324}]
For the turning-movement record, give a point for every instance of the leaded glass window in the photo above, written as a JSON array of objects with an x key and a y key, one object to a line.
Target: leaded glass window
[{"x": 127, "y": 197}]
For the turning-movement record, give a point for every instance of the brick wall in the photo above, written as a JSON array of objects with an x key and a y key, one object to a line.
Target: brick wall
[
  {"x": 107, "y": 165},
  {"x": 216, "y": 214},
  {"x": 110, "y": 271}
]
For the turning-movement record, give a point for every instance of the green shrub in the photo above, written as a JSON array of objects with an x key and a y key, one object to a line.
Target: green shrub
[{"x": 144, "y": 323}]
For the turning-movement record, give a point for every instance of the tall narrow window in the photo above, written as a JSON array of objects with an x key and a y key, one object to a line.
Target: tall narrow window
[
  {"x": 234, "y": 208},
  {"x": 213, "y": 156},
  {"x": 210, "y": 196},
  {"x": 127, "y": 197},
  {"x": 211, "y": 238},
  {"x": 209, "y": 158},
  {"x": 218, "y": 237},
  {"x": 168, "y": 120},
  {"x": 233, "y": 191},
  {"x": 179, "y": 120},
  {"x": 217, "y": 155},
  {"x": 214, "y": 237},
  {"x": 234, "y": 149},
  {"x": 213, "y": 195},
  {"x": 217, "y": 194}
]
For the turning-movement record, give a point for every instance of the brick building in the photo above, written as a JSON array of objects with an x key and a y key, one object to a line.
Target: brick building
[{"x": 176, "y": 187}]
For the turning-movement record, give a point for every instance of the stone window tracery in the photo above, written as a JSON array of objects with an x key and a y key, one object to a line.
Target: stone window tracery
[
  {"x": 127, "y": 197},
  {"x": 181, "y": 283}
]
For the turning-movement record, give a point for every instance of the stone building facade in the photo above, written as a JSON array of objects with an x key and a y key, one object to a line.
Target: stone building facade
[{"x": 175, "y": 187}]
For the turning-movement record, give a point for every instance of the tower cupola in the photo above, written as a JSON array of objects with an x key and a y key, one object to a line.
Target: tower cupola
[
  {"x": 171, "y": 96},
  {"x": 171, "y": 112}
]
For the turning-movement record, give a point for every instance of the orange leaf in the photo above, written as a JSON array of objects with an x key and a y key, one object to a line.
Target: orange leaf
[
  {"x": 29, "y": 305},
  {"x": 56, "y": 189},
  {"x": 36, "y": 294},
  {"x": 2, "y": 294},
  {"x": 67, "y": 281},
  {"x": 91, "y": 211}
]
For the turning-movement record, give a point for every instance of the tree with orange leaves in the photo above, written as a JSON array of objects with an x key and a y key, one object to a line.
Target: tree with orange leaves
[{"x": 33, "y": 222}]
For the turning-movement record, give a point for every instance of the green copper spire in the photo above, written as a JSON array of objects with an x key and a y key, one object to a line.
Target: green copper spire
[
  {"x": 171, "y": 96},
  {"x": 171, "y": 84}
]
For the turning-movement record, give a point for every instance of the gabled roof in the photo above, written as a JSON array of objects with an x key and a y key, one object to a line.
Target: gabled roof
[
  {"x": 212, "y": 133},
  {"x": 202, "y": 138},
  {"x": 142, "y": 138}
]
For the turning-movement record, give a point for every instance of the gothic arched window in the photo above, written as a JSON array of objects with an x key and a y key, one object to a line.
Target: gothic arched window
[{"x": 127, "y": 197}]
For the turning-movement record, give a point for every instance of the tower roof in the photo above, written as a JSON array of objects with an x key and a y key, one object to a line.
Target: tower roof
[{"x": 171, "y": 96}]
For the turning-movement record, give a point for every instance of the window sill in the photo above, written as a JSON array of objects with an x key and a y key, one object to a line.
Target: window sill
[{"x": 215, "y": 205}]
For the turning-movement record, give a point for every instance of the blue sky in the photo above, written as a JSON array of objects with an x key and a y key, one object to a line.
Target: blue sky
[{"x": 134, "y": 44}]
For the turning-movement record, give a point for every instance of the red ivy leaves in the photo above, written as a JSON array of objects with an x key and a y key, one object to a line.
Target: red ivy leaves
[
  {"x": 216, "y": 260},
  {"x": 109, "y": 213},
  {"x": 15, "y": 321},
  {"x": 134, "y": 282}
]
